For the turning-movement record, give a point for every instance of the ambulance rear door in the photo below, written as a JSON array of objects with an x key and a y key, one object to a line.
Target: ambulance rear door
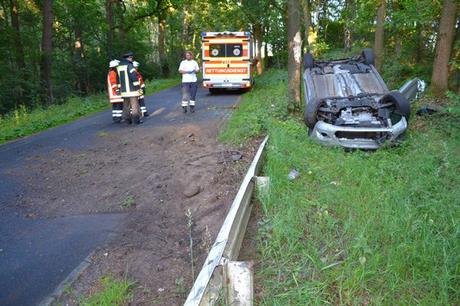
[{"x": 227, "y": 61}]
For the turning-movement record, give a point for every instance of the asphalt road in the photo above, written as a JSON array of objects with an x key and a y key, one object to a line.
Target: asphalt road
[{"x": 36, "y": 255}]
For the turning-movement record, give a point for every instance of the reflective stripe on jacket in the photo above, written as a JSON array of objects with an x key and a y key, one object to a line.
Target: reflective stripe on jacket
[
  {"x": 128, "y": 79},
  {"x": 112, "y": 86},
  {"x": 141, "y": 82}
]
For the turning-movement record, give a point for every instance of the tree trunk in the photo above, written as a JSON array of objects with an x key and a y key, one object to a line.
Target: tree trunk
[
  {"x": 258, "y": 33},
  {"x": 440, "y": 77},
  {"x": 295, "y": 55},
  {"x": 14, "y": 7},
  {"x": 347, "y": 34},
  {"x": 185, "y": 25},
  {"x": 122, "y": 25},
  {"x": 307, "y": 21},
  {"x": 79, "y": 65},
  {"x": 379, "y": 35},
  {"x": 111, "y": 26},
  {"x": 162, "y": 44},
  {"x": 47, "y": 51}
]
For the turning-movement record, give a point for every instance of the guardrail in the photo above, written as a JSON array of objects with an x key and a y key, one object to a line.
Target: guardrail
[{"x": 209, "y": 283}]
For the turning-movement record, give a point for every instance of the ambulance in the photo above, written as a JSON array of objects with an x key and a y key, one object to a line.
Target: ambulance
[{"x": 228, "y": 60}]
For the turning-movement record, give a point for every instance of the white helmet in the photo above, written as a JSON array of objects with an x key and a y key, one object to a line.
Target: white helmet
[
  {"x": 114, "y": 63},
  {"x": 136, "y": 64}
]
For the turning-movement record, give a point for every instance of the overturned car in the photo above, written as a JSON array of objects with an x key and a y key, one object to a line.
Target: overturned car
[{"x": 347, "y": 103}]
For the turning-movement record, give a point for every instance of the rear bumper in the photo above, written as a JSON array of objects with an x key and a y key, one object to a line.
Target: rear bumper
[
  {"x": 331, "y": 135},
  {"x": 243, "y": 84}
]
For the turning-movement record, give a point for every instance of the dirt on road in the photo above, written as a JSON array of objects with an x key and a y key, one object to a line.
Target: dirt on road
[{"x": 154, "y": 176}]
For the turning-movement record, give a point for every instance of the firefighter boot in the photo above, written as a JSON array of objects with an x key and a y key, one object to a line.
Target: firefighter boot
[
  {"x": 184, "y": 108},
  {"x": 192, "y": 108}
]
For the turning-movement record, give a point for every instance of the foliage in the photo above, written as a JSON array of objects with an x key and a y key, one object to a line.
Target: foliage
[
  {"x": 355, "y": 227},
  {"x": 113, "y": 292},
  {"x": 23, "y": 122},
  {"x": 87, "y": 34}
]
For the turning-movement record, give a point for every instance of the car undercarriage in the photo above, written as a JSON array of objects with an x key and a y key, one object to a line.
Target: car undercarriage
[{"x": 347, "y": 103}]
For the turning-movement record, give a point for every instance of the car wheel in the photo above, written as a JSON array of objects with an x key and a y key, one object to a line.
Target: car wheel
[
  {"x": 308, "y": 61},
  {"x": 402, "y": 105},
  {"x": 368, "y": 56},
  {"x": 213, "y": 91},
  {"x": 311, "y": 112}
]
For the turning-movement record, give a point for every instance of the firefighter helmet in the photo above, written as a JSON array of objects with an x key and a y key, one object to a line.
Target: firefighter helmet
[
  {"x": 128, "y": 54},
  {"x": 114, "y": 63}
]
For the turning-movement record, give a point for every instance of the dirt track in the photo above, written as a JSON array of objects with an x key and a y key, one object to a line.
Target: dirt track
[
  {"x": 151, "y": 175},
  {"x": 152, "y": 246}
]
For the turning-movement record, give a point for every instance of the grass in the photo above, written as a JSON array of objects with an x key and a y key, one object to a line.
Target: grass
[
  {"x": 112, "y": 292},
  {"x": 128, "y": 202},
  {"x": 355, "y": 227},
  {"x": 23, "y": 122}
]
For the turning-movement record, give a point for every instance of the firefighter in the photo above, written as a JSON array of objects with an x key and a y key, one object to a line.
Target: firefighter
[
  {"x": 144, "y": 111},
  {"x": 129, "y": 88},
  {"x": 189, "y": 68},
  {"x": 113, "y": 89}
]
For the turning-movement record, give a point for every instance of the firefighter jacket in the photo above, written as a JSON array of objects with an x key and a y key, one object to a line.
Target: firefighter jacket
[
  {"x": 128, "y": 79},
  {"x": 141, "y": 84},
  {"x": 112, "y": 87}
]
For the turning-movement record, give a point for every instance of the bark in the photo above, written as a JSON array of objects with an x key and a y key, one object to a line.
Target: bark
[
  {"x": 379, "y": 35},
  {"x": 162, "y": 44},
  {"x": 347, "y": 33},
  {"x": 19, "y": 48},
  {"x": 258, "y": 33},
  {"x": 295, "y": 55},
  {"x": 185, "y": 25},
  {"x": 440, "y": 77},
  {"x": 122, "y": 27},
  {"x": 80, "y": 67},
  {"x": 47, "y": 50},
  {"x": 111, "y": 26},
  {"x": 307, "y": 20}
]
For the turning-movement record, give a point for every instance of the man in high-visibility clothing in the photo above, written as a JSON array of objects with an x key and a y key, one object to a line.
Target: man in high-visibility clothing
[
  {"x": 129, "y": 88},
  {"x": 113, "y": 89},
  {"x": 144, "y": 111}
]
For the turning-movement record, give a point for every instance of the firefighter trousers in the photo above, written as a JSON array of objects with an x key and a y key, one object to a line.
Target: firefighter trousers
[
  {"x": 117, "y": 111},
  {"x": 142, "y": 106}
]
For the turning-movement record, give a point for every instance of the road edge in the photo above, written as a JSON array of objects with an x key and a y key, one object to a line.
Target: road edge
[{"x": 68, "y": 281}]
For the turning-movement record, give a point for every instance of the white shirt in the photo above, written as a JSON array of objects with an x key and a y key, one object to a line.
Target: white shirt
[{"x": 189, "y": 66}]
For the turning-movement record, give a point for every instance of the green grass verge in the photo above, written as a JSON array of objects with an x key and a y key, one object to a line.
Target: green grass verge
[
  {"x": 112, "y": 292},
  {"x": 355, "y": 227},
  {"x": 24, "y": 122}
]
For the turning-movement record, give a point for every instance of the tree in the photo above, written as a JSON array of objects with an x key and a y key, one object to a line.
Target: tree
[
  {"x": 19, "y": 49},
  {"x": 307, "y": 20},
  {"x": 109, "y": 12},
  {"x": 295, "y": 55},
  {"x": 47, "y": 50},
  {"x": 440, "y": 77},
  {"x": 379, "y": 35}
]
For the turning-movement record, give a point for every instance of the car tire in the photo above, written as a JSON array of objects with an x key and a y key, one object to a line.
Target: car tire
[
  {"x": 401, "y": 103},
  {"x": 213, "y": 91},
  {"x": 308, "y": 61},
  {"x": 368, "y": 56},
  {"x": 311, "y": 113}
]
